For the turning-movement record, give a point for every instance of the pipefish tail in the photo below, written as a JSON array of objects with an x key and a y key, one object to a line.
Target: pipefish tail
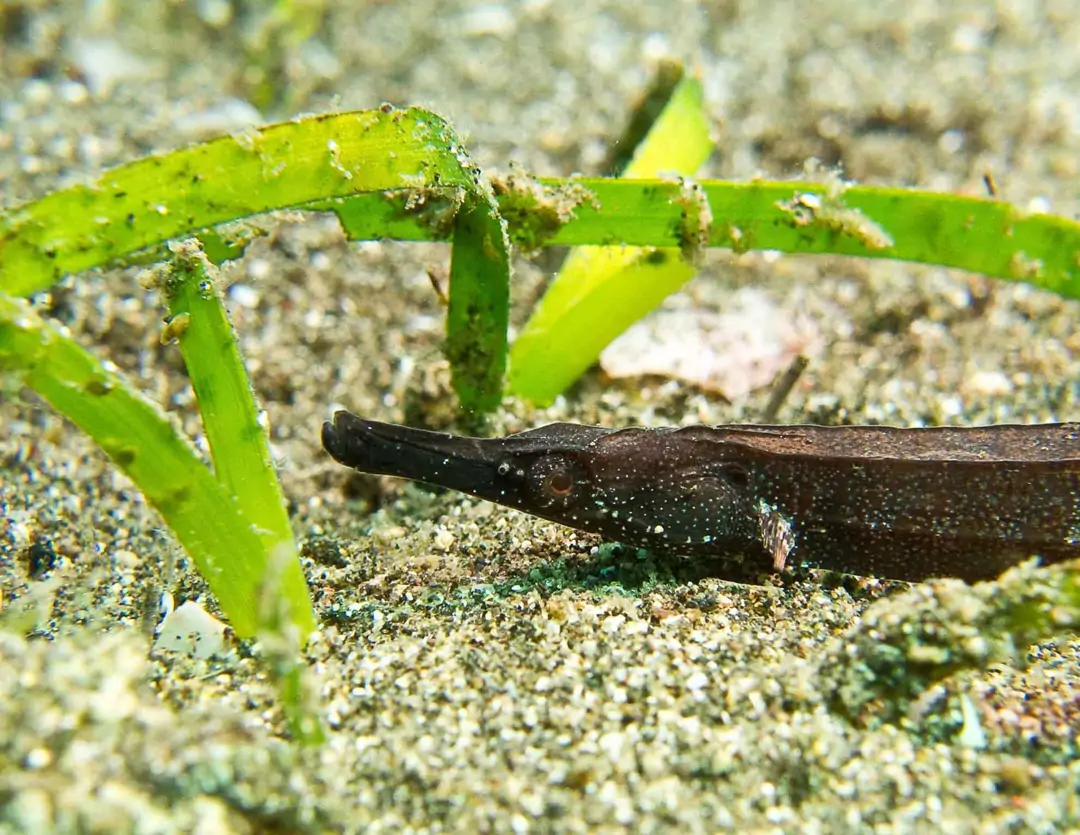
[{"x": 870, "y": 500}]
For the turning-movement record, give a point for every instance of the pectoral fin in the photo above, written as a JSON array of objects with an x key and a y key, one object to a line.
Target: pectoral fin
[{"x": 777, "y": 534}]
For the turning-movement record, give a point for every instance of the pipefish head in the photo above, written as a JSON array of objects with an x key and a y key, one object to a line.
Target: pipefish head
[
  {"x": 534, "y": 471},
  {"x": 656, "y": 488}
]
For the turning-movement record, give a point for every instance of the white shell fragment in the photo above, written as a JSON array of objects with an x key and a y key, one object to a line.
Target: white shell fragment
[
  {"x": 191, "y": 630},
  {"x": 734, "y": 351}
]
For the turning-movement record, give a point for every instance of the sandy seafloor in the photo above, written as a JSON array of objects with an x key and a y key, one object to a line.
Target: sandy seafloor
[{"x": 481, "y": 670}]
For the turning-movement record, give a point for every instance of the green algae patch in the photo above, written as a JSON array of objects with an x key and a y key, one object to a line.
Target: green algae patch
[
  {"x": 829, "y": 214},
  {"x": 905, "y": 644},
  {"x": 146, "y": 202},
  {"x": 535, "y": 211}
]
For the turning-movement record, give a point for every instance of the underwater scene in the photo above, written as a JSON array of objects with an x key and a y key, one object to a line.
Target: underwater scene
[{"x": 539, "y": 416}]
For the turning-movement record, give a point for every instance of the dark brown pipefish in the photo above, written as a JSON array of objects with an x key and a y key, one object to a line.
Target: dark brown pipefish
[{"x": 869, "y": 500}]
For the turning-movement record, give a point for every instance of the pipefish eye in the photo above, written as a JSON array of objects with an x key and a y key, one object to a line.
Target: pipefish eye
[
  {"x": 559, "y": 483},
  {"x": 555, "y": 480}
]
